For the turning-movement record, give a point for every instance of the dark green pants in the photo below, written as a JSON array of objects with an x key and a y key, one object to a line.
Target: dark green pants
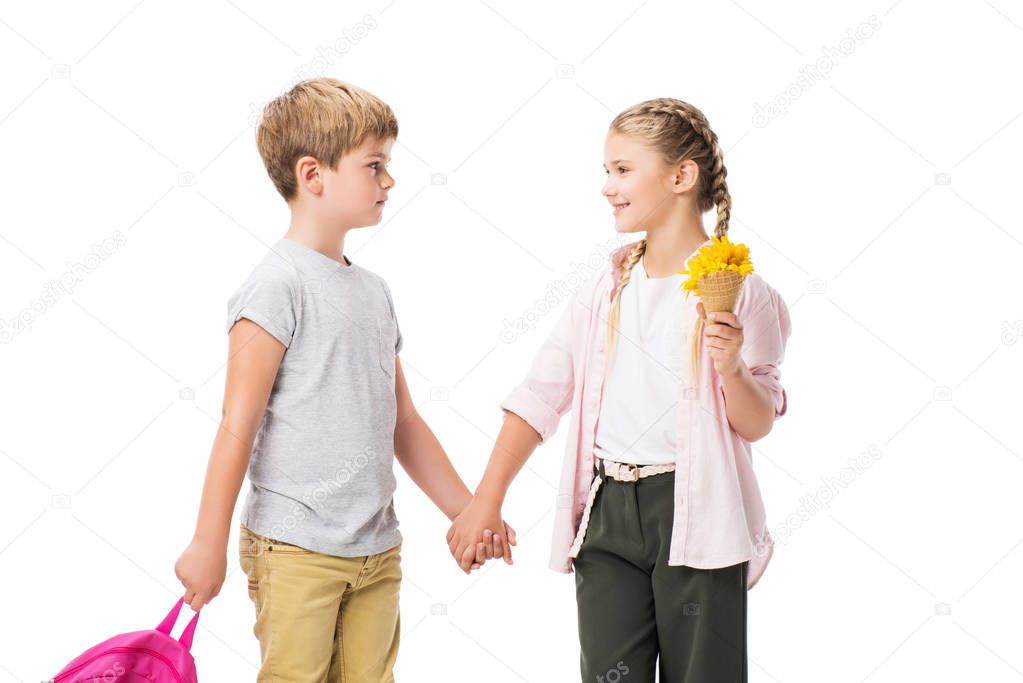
[{"x": 634, "y": 607}]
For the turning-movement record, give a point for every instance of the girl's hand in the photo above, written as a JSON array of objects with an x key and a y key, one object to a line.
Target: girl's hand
[
  {"x": 722, "y": 334},
  {"x": 201, "y": 569},
  {"x": 471, "y": 539}
]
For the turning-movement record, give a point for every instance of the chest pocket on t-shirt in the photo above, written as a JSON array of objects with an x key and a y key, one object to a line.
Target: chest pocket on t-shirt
[{"x": 388, "y": 337}]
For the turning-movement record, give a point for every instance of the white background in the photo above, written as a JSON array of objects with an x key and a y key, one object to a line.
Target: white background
[{"x": 882, "y": 204}]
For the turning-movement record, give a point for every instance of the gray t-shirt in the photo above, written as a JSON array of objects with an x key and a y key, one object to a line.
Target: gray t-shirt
[{"x": 321, "y": 470}]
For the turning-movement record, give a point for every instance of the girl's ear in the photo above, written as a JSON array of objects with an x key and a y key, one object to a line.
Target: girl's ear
[{"x": 686, "y": 175}]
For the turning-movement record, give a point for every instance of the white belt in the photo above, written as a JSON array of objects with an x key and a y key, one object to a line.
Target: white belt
[{"x": 619, "y": 471}]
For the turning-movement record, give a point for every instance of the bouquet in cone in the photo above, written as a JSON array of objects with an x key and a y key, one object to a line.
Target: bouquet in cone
[{"x": 716, "y": 273}]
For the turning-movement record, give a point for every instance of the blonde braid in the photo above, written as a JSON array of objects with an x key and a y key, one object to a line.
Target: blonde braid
[
  {"x": 679, "y": 132},
  {"x": 635, "y": 254},
  {"x": 718, "y": 187},
  {"x": 718, "y": 191}
]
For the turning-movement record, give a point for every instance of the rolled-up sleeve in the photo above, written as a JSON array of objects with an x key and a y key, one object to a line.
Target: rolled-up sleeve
[
  {"x": 546, "y": 393},
  {"x": 269, "y": 297},
  {"x": 765, "y": 334}
]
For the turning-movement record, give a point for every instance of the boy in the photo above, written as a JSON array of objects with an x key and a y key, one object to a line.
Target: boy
[{"x": 316, "y": 395}]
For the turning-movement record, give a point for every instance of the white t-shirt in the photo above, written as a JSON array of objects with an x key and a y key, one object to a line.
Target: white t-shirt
[{"x": 638, "y": 415}]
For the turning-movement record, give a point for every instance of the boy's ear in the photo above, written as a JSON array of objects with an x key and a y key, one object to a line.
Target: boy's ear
[{"x": 307, "y": 173}]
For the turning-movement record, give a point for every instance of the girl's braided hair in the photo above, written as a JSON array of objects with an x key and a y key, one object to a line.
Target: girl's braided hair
[{"x": 678, "y": 131}]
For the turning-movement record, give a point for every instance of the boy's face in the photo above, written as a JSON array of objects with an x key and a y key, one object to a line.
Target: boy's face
[{"x": 356, "y": 190}]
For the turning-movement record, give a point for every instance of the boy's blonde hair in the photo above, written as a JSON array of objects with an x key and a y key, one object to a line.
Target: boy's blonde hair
[
  {"x": 678, "y": 131},
  {"x": 321, "y": 117}
]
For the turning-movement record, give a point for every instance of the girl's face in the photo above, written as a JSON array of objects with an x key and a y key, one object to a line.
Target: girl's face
[
  {"x": 357, "y": 189},
  {"x": 640, "y": 187}
]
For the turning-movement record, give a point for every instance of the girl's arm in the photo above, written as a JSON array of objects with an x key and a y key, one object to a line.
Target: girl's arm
[
  {"x": 423, "y": 458},
  {"x": 254, "y": 356},
  {"x": 747, "y": 348},
  {"x": 532, "y": 412},
  {"x": 748, "y": 405},
  {"x": 514, "y": 445}
]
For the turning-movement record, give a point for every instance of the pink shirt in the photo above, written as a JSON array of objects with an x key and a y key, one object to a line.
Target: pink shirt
[{"x": 719, "y": 513}]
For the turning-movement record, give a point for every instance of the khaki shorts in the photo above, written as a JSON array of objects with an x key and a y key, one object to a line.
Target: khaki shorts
[{"x": 321, "y": 618}]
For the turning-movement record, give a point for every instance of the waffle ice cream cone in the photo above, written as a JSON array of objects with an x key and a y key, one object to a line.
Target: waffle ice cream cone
[
  {"x": 716, "y": 273},
  {"x": 720, "y": 291}
]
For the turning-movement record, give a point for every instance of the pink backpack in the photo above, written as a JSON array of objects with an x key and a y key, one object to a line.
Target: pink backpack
[{"x": 150, "y": 655}]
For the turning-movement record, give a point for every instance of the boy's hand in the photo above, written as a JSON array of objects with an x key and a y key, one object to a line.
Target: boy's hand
[
  {"x": 471, "y": 538},
  {"x": 723, "y": 337},
  {"x": 201, "y": 569}
]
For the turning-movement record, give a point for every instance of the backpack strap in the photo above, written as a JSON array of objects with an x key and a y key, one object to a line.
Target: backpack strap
[
  {"x": 172, "y": 617},
  {"x": 186, "y": 635}
]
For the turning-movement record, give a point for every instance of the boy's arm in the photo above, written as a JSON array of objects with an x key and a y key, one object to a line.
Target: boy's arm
[
  {"x": 254, "y": 357},
  {"x": 421, "y": 455},
  {"x": 423, "y": 458}
]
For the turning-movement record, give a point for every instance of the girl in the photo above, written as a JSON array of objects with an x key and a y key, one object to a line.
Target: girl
[{"x": 659, "y": 512}]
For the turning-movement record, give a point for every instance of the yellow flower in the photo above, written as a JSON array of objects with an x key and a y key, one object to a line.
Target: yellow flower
[{"x": 715, "y": 257}]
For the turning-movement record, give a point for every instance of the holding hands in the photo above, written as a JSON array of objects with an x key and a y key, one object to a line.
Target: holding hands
[{"x": 479, "y": 534}]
